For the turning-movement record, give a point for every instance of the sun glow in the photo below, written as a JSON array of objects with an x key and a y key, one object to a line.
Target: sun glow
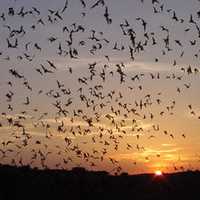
[{"x": 158, "y": 173}]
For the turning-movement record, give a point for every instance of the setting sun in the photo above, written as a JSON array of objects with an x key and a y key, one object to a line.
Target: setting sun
[{"x": 158, "y": 173}]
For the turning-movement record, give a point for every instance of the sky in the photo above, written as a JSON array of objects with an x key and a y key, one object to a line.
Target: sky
[{"x": 114, "y": 95}]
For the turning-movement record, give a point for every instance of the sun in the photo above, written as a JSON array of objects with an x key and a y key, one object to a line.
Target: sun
[{"x": 158, "y": 173}]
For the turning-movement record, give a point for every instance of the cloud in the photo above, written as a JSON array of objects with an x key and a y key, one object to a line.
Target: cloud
[
  {"x": 168, "y": 145},
  {"x": 155, "y": 151},
  {"x": 146, "y": 152}
]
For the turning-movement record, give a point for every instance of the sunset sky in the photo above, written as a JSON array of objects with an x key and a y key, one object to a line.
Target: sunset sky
[{"x": 140, "y": 112}]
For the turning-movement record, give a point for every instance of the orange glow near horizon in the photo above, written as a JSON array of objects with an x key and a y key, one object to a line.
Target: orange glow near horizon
[{"x": 158, "y": 173}]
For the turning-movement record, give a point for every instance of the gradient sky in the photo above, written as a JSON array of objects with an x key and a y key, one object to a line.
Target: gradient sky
[{"x": 162, "y": 135}]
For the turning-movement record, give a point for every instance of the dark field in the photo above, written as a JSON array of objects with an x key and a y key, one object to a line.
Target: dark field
[{"x": 26, "y": 183}]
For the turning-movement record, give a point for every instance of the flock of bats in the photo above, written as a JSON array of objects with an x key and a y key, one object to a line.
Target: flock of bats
[{"x": 92, "y": 120}]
